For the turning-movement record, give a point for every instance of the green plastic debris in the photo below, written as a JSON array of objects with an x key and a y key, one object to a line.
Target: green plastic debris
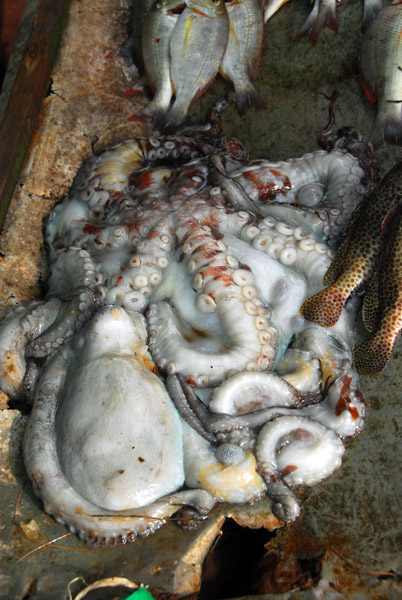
[{"x": 140, "y": 594}]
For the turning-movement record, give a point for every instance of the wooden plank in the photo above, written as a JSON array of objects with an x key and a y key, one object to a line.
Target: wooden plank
[{"x": 29, "y": 89}]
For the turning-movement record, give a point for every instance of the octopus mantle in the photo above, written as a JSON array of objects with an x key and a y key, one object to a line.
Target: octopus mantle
[{"x": 169, "y": 365}]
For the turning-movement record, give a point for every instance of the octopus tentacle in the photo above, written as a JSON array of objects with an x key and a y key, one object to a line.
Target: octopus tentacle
[
  {"x": 18, "y": 329},
  {"x": 294, "y": 450},
  {"x": 143, "y": 272},
  {"x": 73, "y": 315},
  {"x": 248, "y": 392},
  {"x": 74, "y": 282},
  {"x": 176, "y": 391},
  {"x": 295, "y": 181}
]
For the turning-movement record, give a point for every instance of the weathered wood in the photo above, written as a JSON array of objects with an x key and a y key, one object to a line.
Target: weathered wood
[{"x": 30, "y": 87}]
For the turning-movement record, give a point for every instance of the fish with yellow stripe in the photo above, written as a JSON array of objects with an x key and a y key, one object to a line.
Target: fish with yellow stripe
[
  {"x": 197, "y": 45},
  {"x": 355, "y": 260}
]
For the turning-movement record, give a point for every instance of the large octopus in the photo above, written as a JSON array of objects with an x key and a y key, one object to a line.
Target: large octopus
[{"x": 169, "y": 365}]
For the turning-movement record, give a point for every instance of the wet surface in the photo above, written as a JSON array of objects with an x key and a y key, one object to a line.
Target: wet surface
[{"x": 347, "y": 543}]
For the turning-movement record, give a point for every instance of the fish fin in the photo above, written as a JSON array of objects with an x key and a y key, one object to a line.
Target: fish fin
[
  {"x": 368, "y": 90},
  {"x": 270, "y": 7},
  {"x": 325, "y": 18},
  {"x": 371, "y": 303},
  {"x": 387, "y": 125},
  {"x": 138, "y": 117},
  {"x": 249, "y": 98},
  {"x": 325, "y": 307},
  {"x": 370, "y": 11},
  {"x": 170, "y": 120},
  {"x": 140, "y": 86},
  {"x": 318, "y": 19},
  {"x": 373, "y": 355}
]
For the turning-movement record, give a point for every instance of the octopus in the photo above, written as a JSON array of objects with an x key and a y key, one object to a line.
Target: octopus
[{"x": 169, "y": 367}]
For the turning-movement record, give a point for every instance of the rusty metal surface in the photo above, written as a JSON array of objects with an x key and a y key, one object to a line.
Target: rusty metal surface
[{"x": 347, "y": 543}]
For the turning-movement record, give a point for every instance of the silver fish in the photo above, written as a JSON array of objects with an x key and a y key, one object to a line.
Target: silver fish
[
  {"x": 270, "y": 7},
  {"x": 197, "y": 46},
  {"x": 158, "y": 26},
  {"x": 243, "y": 51},
  {"x": 139, "y": 10},
  {"x": 381, "y": 74},
  {"x": 371, "y": 9}
]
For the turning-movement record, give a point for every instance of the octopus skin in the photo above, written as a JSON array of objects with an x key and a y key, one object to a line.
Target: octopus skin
[{"x": 178, "y": 268}]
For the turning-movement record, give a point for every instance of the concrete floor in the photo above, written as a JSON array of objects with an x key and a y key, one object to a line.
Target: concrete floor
[{"x": 347, "y": 543}]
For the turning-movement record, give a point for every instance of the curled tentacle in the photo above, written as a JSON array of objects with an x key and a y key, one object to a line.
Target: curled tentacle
[
  {"x": 295, "y": 181},
  {"x": 295, "y": 451},
  {"x": 248, "y": 392},
  {"x": 17, "y": 330}
]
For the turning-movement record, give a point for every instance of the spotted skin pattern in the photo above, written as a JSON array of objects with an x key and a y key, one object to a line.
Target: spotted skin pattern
[
  {"x": 373, "y": 355},
  {"x": 355, "y": 260}
]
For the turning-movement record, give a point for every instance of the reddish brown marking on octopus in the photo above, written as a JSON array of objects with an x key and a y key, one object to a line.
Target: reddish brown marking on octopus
[
  {"x": 119, "y": 280},
  {"x": 191, "y": 379},
  {"x": 219, "y": 274},
  {"x": 267, "y": 190},
  {"x": 289, "y": 469},
  {"x": 300, "y": 434},
  {"x": 344, "y": 400},
  {"x": 142, "y": 180},
  {"x": 153, "y": 234},
  {"x": 211, "y": 221},
  {"x": 217, "y": 235},
  {"x": 206, "y": 254},
  {"x": 131, "y": 228},
  {"x": 91, "y": 229},
  {"x": 191, "y": 226}
]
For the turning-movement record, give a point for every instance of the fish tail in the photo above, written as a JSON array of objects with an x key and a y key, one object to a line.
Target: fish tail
[
  {"x": 249, "y": 98},
  {"x": 325, "y": 307},
  {"x": 373, "y": 355},
  {"x": 388, "y": 124},
  {"x": 170, "y": 120}
]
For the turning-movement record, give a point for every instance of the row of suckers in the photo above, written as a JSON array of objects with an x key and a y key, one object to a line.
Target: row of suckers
[{"x": 185, "y": 45}]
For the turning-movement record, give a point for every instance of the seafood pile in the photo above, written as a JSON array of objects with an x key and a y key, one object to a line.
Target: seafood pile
[{"x": 169, "y": 365}]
